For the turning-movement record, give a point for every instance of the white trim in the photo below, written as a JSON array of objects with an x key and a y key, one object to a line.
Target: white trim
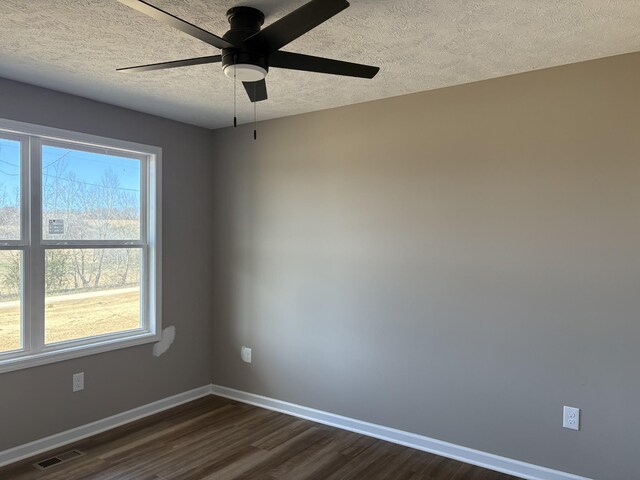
[
  {"x": 58, "y": 440},
  {"x": 153, "y": 251},
  {"x": 36, "y": 268},
  {"x": 34, "y": 351},
  {"x": 125, "y": 340},
  {"x": 50, "y": 133},
  {"x": 419, "y": 442}
]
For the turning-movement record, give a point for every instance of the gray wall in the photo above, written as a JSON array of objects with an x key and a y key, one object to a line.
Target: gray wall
[
  {"x": 459, "y": 263},
  {"x": 38, "y": 401}
]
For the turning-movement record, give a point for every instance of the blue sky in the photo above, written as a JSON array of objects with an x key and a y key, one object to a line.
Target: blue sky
[
  {"x": 9, "y": 165},
  {"x": 87, "y": 167}
]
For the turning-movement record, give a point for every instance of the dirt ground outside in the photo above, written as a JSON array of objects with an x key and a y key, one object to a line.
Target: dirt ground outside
[{"x": 75, "y": 316}]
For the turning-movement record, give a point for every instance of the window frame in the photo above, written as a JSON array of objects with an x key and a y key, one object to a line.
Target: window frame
[{"x": 34, "y": 350}]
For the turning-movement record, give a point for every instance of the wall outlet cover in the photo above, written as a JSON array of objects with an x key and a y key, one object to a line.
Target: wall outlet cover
[
  {"x": 571, "y": 418},
  {"x": 245, "y": 354},
  {"x": 78, "y": 381}
]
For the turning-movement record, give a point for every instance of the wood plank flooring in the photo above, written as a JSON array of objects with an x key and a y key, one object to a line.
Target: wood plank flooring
[{"x": 218, "y": 439}]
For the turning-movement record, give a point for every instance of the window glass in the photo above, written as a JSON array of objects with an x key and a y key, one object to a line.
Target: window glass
[
  {"x": 9, "y": 189},
  {"x": 85, "y": 278},
  {"x": 89, "y": 196},
  {"x": 10, "y": 302},
  {"x": 91, "y": 292}
]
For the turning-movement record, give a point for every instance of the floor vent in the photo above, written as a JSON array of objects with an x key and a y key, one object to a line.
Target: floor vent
[{"x": 58, "y": 459}]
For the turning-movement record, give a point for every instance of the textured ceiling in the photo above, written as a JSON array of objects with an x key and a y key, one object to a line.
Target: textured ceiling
[{"x": 75, "y": 46}]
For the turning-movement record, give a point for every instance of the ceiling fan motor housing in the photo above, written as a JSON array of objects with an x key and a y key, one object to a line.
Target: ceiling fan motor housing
[{"x": 245, "y": 65}]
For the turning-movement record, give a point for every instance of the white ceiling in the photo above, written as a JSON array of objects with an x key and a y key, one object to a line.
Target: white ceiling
[{"x": 75, "y": 46}]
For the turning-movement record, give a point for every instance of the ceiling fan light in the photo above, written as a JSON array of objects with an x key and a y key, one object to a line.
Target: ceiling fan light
[{"x": 245, "y": 72}]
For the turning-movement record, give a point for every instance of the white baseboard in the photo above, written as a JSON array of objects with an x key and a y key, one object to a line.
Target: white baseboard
[
  {"x": 75, "y": 434},
  {"x": 487, "y": 460}
]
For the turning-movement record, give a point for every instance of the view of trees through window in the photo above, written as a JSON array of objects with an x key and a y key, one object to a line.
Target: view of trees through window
[
  {"x": 85, "y": 196},
  {"x": 9, "y": 189},
  {"x": 10, "y": 280},
  {"x": 10, "y": 260}
]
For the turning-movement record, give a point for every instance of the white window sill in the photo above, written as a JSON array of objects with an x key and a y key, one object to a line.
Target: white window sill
[{"x": 75, "y": 351}]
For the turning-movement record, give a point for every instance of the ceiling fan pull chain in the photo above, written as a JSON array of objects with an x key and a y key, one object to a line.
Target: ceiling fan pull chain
[
  {"x": 255, "y": 116},
  {"x": 235, "y": 90}
]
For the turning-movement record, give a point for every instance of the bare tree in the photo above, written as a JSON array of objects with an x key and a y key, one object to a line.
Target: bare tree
[
  {"x": 10, "y": 275},
  {"x": 97, "y": 211}
]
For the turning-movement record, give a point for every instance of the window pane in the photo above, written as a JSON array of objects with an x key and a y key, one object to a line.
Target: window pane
[
  {"x": 9, "y": 189},
  {"x": 91, "y": 292},
  {"x": 10, "y": 311},
  {"x": 89, "y": 196}
]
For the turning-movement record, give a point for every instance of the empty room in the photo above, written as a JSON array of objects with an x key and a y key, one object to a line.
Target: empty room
[{"x": 319, "y": 240}]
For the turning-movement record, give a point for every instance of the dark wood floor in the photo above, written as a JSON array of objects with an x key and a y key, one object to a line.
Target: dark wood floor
[{"x": 218, "y": 439}]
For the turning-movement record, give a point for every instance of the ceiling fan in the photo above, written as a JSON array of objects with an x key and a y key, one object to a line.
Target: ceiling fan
[{"x": 248, "y": 52}]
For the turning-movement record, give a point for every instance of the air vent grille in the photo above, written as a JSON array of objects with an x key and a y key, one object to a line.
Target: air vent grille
[{"x": 58, "y": 459}]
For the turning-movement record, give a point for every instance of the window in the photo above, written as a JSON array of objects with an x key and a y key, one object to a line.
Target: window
[{"x": 79, "y": 244}]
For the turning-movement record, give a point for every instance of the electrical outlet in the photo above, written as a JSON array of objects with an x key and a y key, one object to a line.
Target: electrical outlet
[
  {"x": 78, "y": 381},
  {"x": 245, "y": 354},
  {"x": 571, "y": 418}
]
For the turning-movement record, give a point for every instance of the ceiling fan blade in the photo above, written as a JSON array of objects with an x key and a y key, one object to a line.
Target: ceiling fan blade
[
  {"x": 176, "y": 63},
  {"x": 173, "y": 21},
  {"x": 257, "y": 91},
  {"x": 295, "y": 24},
  {"x": 307, "y": 63}
]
